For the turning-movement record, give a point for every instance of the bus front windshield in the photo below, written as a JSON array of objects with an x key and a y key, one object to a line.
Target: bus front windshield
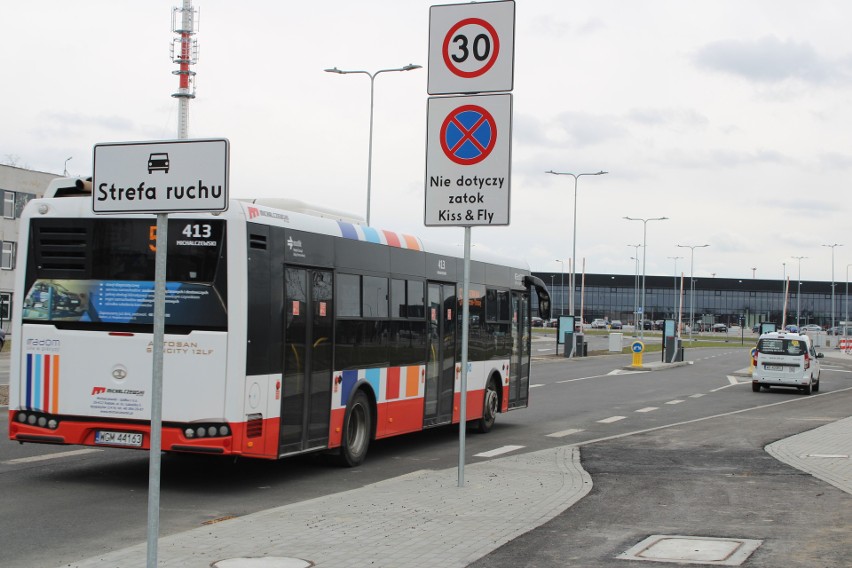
[{"x": 101, "y": 271}]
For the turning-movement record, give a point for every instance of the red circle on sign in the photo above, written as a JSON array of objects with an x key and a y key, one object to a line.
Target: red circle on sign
[
  {"x": 488, "y": 64},
  {"x": 468, "y": 134}
]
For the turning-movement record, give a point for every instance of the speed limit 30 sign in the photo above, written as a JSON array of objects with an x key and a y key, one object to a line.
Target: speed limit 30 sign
[{"x": 471, "y": 48}]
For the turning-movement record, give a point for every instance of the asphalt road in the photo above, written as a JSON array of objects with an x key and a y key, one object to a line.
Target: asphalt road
[{"x": 678, "y": 451}]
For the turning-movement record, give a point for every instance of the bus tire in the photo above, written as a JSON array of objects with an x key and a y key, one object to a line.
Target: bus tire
[
  {"x": 490, "y": 406},
  {"x": 357, "y": 426}
]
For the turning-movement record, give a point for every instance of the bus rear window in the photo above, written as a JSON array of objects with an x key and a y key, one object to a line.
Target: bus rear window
[
  {"x": 102, "y": 271},
  {"x": 782, "y": 346}
]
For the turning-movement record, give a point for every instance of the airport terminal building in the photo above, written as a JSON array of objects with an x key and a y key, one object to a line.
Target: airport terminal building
[{"x": 717, "y": 300}]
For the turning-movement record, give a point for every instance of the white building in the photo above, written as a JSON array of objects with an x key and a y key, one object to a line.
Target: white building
[{"x": 17, "y": 187}]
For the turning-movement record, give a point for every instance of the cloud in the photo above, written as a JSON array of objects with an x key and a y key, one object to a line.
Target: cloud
[{"x": 766, "y": 60}]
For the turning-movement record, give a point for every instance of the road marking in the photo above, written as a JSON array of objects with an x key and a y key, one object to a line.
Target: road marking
[
  {"x": 733, "y": 383},
  {"x": 830, "y": 456},
  {"x": 612, "y": 419},
  {"x": 674, "y": 402},
  {"x": 58, "y": 455},
  {"x": 713, "y": 417},
  {"x": 538, "y": 385},
  {"x": 498, "y": 451},
  {"x": 564, "y": 433},
  {"x": 580, "y": 379},
  {"x": 696, "y": 395},
  {"x": 648, "y": 409}
]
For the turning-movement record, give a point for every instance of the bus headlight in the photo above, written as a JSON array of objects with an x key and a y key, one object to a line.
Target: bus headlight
[
  {"x": 200, "y": 431},
  {"x": 189, "y": 433},
  {"x": 224, "y": 430}
]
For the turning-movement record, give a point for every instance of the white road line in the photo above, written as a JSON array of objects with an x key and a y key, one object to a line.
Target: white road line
[
  {"x": 675, "y": 401},
  {"x": 730, "y": 385},
  {"x": 648, "y": 409},
  {"x": 580, "y": 379},
  {"x": 612, "y": 419},
  {"x": 58, "y": 455},
  {"x": 732, "y": 380},
  {"x": 538, "y": 385},
  {"x": 802, "y": 399},
  {"x": 564, "y": 433},
  {"x": 498, "y": 451},
  {"x": 696, "y": 395}
]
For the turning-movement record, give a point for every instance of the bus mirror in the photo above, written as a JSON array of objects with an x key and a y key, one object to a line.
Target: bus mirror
[{"x": 544, "y": 308}]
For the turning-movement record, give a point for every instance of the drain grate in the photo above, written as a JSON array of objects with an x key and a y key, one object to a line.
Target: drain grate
[{"x": 693, "y": 550}]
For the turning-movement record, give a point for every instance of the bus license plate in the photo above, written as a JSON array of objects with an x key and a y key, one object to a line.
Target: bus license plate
[
  {"x": 773, "y": 367},
  {"x": 110, "y": 438}
]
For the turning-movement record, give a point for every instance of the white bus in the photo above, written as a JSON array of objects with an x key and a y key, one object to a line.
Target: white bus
[{"x": 285, "y": 332}]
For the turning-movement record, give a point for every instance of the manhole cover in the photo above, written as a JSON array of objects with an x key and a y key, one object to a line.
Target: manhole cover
[
  {"x": 693, "y": 550},
  {"x": 264, "y": 562}
]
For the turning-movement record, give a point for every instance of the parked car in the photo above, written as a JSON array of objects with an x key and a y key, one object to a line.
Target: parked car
[
  {"x": 598, "y": 324},
  {"x": 647, "y": 324},
  {"x": 537, "y": 322},
  {"x": 811, "y": 327},
  {"x": 792, "y": 328},
  {"x": 720, "y": 327},
  {"x": 755, "y": 328},
  {"x": 786, "y": 360},
  {"x": 659, "y": 324},
  {"x": 553, "y": 323},
  {"x": 616, "y": 324}
]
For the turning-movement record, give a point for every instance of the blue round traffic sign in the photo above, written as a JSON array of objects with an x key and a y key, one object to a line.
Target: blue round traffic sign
[
  {"x": 468, "y": 134},
  {"x": 637, "y": 347}
]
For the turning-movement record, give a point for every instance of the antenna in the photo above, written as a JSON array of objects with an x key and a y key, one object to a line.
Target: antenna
[{"x": 184, "y": 52}]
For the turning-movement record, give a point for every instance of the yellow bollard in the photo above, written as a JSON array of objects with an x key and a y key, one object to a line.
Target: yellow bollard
[{"x": 637, "y": 347}]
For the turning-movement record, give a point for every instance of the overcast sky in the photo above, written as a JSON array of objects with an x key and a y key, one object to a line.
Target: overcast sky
[{"x": 730, "y": 117}]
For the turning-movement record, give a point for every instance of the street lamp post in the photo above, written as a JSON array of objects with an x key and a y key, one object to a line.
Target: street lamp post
[
  {"x": 799, "y": 291},
  {"x": 692, "y": 284},
  {"x": 832, "y": 247},
  {"x": 372, "y": 76},
  {"x": 846, "y": 318},
  {"x": 644, "y": 257},
  {"x": 674, "y": 309},
  {"x": 574, "y": 243},
  {"x": 635, "y": 286}
]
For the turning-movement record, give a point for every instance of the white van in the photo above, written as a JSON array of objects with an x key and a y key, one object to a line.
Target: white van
[{"x": 786, "y": 359}]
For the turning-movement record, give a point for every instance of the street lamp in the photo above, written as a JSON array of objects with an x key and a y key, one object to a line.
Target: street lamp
[
  {"x": 562, "y": 287},
  {"x": 644, "y": 257},
  {"x": 692, "y": 284},
  {"x": 799, "y": 291},
  {"x": 674, "y": 310},
  {"x": 574, "y": 244},
  {"x": 372, "y": 76},
  {"x": 832, "y": 281},
  {"x": 65, "y": 168},
  {"x": 846, "y": 319}
]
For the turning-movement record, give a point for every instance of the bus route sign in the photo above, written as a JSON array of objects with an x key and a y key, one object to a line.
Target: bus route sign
[{"x": 161, "y": 177}]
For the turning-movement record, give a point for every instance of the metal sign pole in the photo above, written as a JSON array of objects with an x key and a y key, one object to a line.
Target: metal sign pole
[
  {"x": 465, "y": 332},
  {"x": 157, "y": 389}
]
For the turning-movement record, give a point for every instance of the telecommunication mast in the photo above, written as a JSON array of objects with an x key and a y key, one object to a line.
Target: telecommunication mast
[{"x": 184, "y": 51}]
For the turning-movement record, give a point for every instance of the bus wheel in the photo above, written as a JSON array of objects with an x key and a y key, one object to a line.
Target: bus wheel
[
  {"x": 490, "y": 405},
  {"x": 356, "y": 431}
]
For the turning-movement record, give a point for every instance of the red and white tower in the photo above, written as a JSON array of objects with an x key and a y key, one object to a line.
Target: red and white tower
[{"x": 184, "y": 51}]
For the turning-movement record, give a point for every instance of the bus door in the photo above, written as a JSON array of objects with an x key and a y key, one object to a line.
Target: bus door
[
  {"x": 519, "y": 371},
  {"x": 441, "y": 358},
  {"x": 306, "y": 392}
]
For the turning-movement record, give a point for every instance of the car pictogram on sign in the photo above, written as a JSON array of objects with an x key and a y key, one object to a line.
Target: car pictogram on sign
[
  {"x": 158, "y": 162},
  {"x": 468, "y": 134}
]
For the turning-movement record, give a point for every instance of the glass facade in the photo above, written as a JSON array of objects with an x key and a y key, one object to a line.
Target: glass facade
[{"x": 717, "y": 300}]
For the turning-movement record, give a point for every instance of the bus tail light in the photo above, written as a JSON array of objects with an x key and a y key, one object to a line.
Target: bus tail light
[{"x": 38, "y": 419}]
